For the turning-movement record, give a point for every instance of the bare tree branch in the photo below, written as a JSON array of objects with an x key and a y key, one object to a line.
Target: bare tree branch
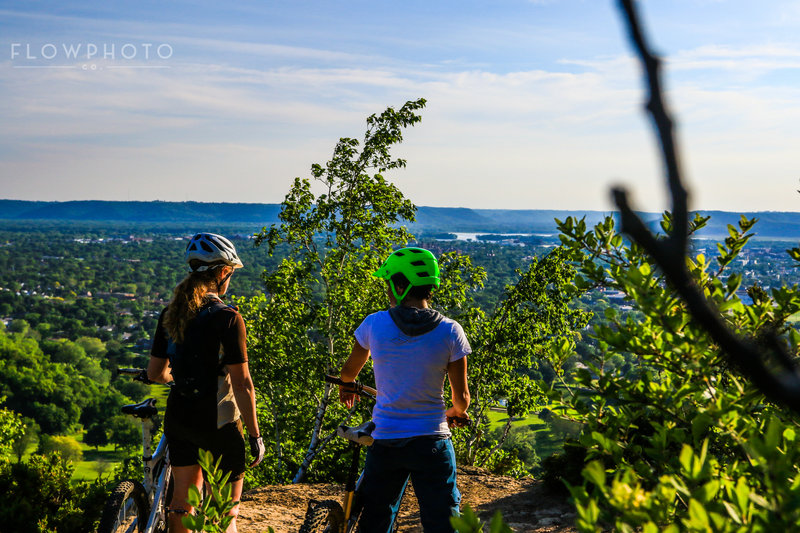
[{"x": 770, "y": 368}]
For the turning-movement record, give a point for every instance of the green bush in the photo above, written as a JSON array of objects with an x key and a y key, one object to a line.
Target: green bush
[
  {"x": 681, "y": 442},
  {"x": 65, "y": 447},
  {"x": 38, "y": 497}
]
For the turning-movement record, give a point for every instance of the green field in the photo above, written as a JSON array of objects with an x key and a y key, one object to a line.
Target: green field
[
  {"x": 95, "y": 462},
  {"x": 547, "y": 441},
  {"x": 498, "y": 418}
]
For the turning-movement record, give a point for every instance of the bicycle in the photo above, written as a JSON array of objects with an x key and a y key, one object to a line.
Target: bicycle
[
  {"x": 329, "y": 516},
  {"x": 141, "y": 507}
]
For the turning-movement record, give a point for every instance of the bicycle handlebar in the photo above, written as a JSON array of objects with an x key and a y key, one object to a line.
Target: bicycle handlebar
[
  {"x": 130, "y": 370},
  {"x": 459, "y": 421},
  {"x": 139, "y": 374},
  {"x": 353, "y": 386}
]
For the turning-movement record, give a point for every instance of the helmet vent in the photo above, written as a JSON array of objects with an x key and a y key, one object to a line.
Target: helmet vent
[
  {"x": 206, "y": 247},
  {"x": 418, "y": 263}
]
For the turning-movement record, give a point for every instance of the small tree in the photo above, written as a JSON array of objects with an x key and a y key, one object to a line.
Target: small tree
[
  {"x": 68, "y": 448},
  {"x": 533, "y": 324},
  {"x": 11, "y": 429},
  {"x": 124, "y": 433},
  {"x": 96, "y": 435},
  {"x": 323, "y": 288},
  {"x": 29, "y": 438}
]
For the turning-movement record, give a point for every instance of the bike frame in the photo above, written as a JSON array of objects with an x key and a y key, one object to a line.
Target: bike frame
[
  {"x": 351, "y": 504},
  {"x": 156, "y": 467},
  {"x": 155, "y": 483}
]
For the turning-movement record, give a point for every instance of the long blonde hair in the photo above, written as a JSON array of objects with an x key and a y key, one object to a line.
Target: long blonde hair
[{"x": 187, "y": 299}]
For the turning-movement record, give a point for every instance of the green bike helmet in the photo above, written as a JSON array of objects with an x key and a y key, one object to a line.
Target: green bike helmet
[{"x": 418, "y": 265}]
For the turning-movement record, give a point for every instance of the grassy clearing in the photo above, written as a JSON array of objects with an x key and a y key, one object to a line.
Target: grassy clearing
[
  {"x": 548, "y": 440},
  {"x": 95, "y": 462},
  {"x": 498, "y": 418}
]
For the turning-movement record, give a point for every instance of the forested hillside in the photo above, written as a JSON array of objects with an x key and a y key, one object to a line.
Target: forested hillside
[{"x": 253, "y": 216}]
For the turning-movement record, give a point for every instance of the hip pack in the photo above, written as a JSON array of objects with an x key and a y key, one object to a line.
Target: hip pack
[{"x": 195, "y": 375}]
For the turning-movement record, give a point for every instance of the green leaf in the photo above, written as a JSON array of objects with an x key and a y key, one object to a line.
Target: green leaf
[
  {"x": 498, "y": 525},
  {"x": 698, "y": 517},
  {"x": 467, "y": 522},
  {"x": 707, "y": 492},
  {"x": 732, "y": 512},
  {"x": 686, "y": 458},
  {"x": 742, "y": 492},
  {"x": 700, "y": 425},
  {"x": 771, "y": 440},
  {"x": 760, "y": 500},
  {"x": 595, "y": 472}
]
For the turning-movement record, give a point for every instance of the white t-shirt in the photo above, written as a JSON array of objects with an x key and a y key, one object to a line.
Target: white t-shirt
[{"x": 409, "y": 375}]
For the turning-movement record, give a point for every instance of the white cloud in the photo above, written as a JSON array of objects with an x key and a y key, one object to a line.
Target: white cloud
[{"x": 534, "y": 138}]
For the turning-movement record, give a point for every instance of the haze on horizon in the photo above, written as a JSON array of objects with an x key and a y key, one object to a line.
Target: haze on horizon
[{"x": 532, "y": 104}]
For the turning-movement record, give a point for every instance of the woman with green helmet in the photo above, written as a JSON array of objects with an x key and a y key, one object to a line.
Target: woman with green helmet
[{"x": 413, "y": 348}]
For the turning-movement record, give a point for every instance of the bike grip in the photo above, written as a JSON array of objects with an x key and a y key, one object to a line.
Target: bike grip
[
  {"x": 142, "y": 376},
  {"x": 460, "y": 421},
  {"x": 355, "y": 385}
]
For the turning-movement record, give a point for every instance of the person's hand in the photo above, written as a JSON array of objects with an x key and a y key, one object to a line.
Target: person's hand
[
  {"x": 256, "y": 449},
  {"x": 346, "y": 397},
  {"x": 457, "y": 418}
]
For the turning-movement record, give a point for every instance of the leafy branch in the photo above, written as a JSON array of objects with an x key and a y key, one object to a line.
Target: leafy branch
[{"x": 782, "y": 384}]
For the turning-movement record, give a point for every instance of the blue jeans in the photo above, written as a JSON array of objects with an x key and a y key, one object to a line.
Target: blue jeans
[{"x": 430, "y": 462}]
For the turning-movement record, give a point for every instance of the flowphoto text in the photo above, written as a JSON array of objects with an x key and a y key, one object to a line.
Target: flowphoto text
[{"x": 44, "y": 53}]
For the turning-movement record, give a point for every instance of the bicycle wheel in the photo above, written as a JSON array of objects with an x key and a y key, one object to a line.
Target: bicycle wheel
[
  {"x": 126, "y": 510},
  {"x": 324, "y": 516}
]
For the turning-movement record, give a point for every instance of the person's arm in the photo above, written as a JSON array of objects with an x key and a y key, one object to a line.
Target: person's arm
[
  {"x": 350, "y": 369},
  {"x": 457, "y": 374},
  {"x": 245, "y": 394},
  {"x": 158, "y": 370}
]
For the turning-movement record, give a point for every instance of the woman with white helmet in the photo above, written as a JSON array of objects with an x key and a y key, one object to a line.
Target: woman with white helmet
[{"x": 200, "y": 345}]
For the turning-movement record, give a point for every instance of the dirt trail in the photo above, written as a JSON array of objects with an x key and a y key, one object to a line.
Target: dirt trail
[{"x": 525, "y": 504}]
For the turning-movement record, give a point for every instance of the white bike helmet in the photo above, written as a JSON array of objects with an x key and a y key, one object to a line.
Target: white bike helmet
[{"x": 209, "y": 250}]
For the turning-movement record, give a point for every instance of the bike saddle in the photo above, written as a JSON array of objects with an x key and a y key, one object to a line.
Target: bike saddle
[
  {"x": 145, "y": 409},
  {"x": 361, "y": 434}
]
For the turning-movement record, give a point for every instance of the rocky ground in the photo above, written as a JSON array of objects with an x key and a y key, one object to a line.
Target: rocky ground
[{"x": 525, "y": 504}]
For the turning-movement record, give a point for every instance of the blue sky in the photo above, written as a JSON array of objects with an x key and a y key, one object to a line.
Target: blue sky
[{"x": 531, "y": 104}]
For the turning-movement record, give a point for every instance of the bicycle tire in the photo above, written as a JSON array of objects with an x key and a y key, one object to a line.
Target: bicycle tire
[
  {"x": 126, "y": 510},
  {"x": 324, "y": 516}
]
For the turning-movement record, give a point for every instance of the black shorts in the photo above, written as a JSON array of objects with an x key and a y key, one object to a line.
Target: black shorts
[{"x": 226, "y": 441}]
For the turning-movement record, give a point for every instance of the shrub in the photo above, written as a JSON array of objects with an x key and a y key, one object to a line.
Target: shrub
[
  {"x": 38, "y": 497},
  {"x": 682, "y": 442}
]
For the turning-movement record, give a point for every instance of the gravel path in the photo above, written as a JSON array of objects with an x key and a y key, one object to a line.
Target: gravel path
[{"x": 525, "y": 504}]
